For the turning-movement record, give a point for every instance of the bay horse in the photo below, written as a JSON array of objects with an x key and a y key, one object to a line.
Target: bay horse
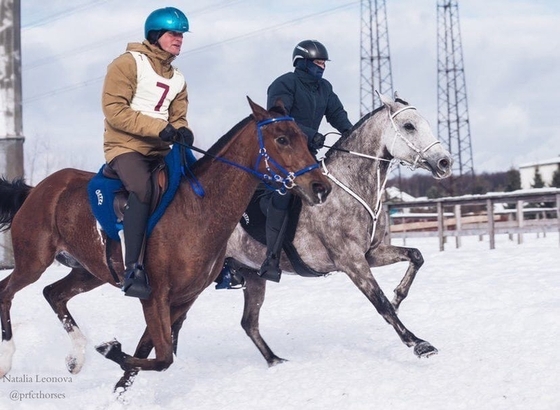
[
  {"x": 347, "y": 234},
  {"x": 185, "y": 250}
]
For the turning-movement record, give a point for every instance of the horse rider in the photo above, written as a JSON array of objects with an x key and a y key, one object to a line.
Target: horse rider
[
  {"x": 145, "y": 102},
  {"x": 307, "y": 97}
]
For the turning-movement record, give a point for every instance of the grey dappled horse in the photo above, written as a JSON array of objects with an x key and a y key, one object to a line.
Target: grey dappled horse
[{"x": 346, "y": 234}]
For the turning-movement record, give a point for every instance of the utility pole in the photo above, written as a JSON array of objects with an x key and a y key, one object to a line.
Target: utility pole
[
  {"x": 375, "y": 59},
  {"x": 11, "y": 124},
  {"x": 453, "y": 113}
]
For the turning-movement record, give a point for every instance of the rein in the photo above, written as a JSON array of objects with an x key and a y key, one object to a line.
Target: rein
[
  {"x": 281, "y": 176},
  {"x": 380, "y": 188}
]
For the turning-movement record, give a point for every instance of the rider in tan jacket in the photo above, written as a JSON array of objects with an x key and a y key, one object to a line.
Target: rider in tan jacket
[
  {"x": 145, "y": 103},
  {"x": 125, "y": 128}
]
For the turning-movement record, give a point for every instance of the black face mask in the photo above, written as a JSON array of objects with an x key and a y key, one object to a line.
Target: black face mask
[
  {"x": 311, "y": 68},
  {"x": 314, "y": 69}
]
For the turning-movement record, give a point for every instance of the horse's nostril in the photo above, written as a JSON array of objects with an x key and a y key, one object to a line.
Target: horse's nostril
[
  {"x": 321, "y": 190},
  {"x": 443, "y": 164}
]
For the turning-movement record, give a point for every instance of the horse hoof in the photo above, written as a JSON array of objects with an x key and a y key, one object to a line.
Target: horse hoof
[
  {"x": 425, "y": 349},
  {"x": 276, "y": 361},
  {"x": 108, "y": 348},
  {"x": 73, "y": 364}
]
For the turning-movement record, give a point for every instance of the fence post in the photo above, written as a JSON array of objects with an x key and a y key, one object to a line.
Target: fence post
[
  {"x": 387, "y": 236},
  {"x": 520, "y": 221},
  {"x": 457, "y": 226},
  {"x": 440, "y": 225},
  {"x": 558, "y": 215},
  {"x": 491, "y": 231}
]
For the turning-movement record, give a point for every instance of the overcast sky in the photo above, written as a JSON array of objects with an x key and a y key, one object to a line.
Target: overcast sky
[{"x": 237, "y": 47}]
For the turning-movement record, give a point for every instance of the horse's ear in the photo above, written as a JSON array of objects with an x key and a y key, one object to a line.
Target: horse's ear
[
  {"x": 281, "y": 107},
  {"x": 385, "y": 100},
  {"x": 396, "y": 96},
  {"x": 258, "y": 112}
]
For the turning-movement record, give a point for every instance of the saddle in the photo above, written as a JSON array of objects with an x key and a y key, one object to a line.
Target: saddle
[
  {"x": 159, "y": 181},
  {"x": 253, "y": 222},
  {"x": 108, "y": 196}
]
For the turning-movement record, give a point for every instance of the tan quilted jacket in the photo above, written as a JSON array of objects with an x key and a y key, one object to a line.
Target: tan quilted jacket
[{"x": 127, "y": 130}]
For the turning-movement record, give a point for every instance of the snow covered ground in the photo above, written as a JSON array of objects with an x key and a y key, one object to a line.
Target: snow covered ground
[{"x": 493, "y": 315}]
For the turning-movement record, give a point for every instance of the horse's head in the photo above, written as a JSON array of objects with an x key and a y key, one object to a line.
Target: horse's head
[
  {"x": 409, "y": 139},
  {"x": 285, "y": 155}
]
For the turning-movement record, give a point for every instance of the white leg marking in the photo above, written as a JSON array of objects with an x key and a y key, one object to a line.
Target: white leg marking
[
  {"x": 75, "y": 360},
  {"x": 7, "y": 349}
]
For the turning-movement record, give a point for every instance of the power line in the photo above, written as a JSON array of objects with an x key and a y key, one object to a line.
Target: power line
[
  {"x": 62, "y": 14},
  {"x": 197, "y": 50},
  {"x": 88, "y": 47}
]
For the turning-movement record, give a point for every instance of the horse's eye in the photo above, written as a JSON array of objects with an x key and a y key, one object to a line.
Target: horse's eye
[
  {"x": 409, "y": 127},
  {"x": 282, "y": 140}
]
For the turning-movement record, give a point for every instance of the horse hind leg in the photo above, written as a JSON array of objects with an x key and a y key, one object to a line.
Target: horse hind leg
[
  {"x": 79, "y": 280},
  {"x": 23, "y": 275},
  {"x": 389, "y": 254}
]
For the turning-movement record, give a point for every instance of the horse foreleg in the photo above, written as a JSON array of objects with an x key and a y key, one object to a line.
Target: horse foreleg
[
  {"x": 364, "y": 280},
  {"x": 158, "y": 320},
  {"x": 144, "y": 349},
  {"x": 254, "y": 292},
  {"x": 387, "y": 255},
  {"x": 79, "y": 280}
]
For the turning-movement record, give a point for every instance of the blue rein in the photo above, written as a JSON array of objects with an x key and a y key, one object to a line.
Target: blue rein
[{"x": 281, "y": 176}]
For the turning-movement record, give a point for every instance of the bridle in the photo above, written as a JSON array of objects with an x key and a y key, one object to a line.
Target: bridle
[
  {"x": 281, "y": 177},
  {"x": 419, "y": 152},
  {"x": 276, "y": 177},
  {"x": 381, "y": 184}
]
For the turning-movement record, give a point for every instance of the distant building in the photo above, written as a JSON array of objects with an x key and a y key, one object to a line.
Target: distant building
[
  {"x": 396, "y": 195},
  {"x": 546, "y": 169}
]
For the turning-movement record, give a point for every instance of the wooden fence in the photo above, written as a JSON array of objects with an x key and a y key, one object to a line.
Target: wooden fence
[{"x": 513, "y": 213}]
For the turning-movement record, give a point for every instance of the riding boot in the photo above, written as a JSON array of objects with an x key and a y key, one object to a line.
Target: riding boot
[
  {"x": 135, "y": 221},
  {"x": 276, "y": 223}
]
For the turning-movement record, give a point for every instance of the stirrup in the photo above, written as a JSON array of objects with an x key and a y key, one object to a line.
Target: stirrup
[
  {"x": 230, "y": 279},
  {"x": 136, "y": 283},
  {"x": 270, "y": 269}
]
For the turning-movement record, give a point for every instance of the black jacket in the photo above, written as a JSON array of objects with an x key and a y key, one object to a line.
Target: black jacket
[{"x": 308, "y": 99}]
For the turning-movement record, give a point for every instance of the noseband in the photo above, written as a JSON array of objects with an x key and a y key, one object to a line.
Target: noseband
[{"x": 420, "y": 152}]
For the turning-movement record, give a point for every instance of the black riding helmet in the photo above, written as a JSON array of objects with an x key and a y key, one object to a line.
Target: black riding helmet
[{"x": 309, "y": 49}]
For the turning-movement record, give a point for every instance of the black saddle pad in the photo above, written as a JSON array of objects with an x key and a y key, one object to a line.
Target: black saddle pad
[
  {"x": 254, "y": 223},
  {"x": 254, "y": 219}
]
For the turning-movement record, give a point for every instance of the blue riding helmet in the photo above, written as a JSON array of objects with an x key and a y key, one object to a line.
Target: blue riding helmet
[{"x": 166, "y": 19}]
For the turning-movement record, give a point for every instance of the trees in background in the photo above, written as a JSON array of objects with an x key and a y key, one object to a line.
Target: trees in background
[{"x": 424, "y": 185}]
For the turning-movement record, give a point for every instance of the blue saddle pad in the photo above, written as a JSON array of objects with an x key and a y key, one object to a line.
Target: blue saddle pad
[{"x": 101, "y": 193}]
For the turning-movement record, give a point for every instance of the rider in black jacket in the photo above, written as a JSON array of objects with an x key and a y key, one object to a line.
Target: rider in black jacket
[{"x": 307, "y": 97}]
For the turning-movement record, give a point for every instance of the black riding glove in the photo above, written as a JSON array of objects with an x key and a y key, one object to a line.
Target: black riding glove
[
  {"x": 185, "y": 135},
  {"x": 168, "y": 133},
  {"x": 317, "y": 142}
]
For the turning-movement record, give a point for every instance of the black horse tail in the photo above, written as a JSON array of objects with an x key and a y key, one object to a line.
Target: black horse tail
[{"x": 12, "y": 197}]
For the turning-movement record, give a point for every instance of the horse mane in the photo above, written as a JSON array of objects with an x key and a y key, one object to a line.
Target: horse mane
[
  {"x": 218, "y": 145},
  {"x": 357, "y": 125},
  {"x": 349, "y": 132}
]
